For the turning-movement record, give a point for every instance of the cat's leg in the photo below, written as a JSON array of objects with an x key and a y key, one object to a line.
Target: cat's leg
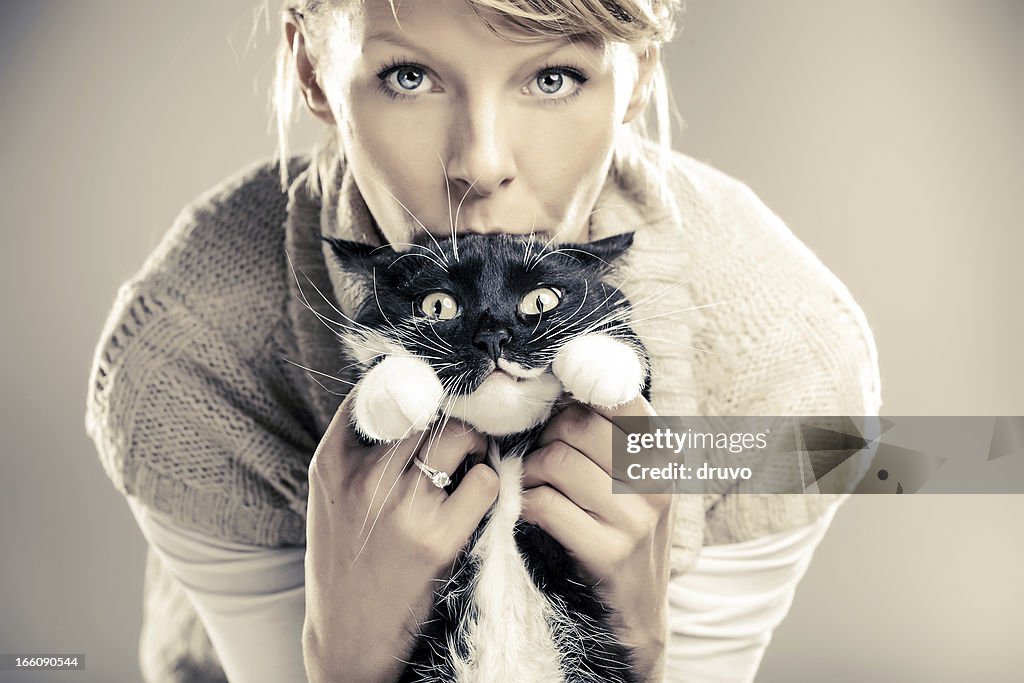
[
  {"x": 398, "y": 397},
  {"x": 600, "y": 370}
]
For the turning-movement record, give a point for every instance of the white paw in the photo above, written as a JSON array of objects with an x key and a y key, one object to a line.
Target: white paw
[
  {"x": 397, "y": 398},
  {"x": 599, "y": 370}
]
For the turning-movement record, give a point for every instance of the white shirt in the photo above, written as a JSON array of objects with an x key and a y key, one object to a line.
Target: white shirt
[{"x": 252, "y": 600}]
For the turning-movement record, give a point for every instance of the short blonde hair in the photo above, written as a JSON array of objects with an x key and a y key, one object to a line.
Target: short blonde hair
[{"x": 638, "y": 23}]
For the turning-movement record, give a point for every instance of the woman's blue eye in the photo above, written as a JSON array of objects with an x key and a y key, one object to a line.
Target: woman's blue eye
[
  {"x": 555, "y": 83},
  {"x": 550, "y": 83},
  {"x": 406, "y": 78}
]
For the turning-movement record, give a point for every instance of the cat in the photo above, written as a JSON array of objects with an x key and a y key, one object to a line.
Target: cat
[{"x": 494, "y": 330}]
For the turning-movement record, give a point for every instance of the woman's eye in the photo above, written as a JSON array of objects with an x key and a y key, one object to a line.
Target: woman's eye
[
  {"x": 407, "y": 78},
  {"x": 439, "y": 306},
  {"x": 538, "y": 301},
  {"x": 556, "y": 83}
]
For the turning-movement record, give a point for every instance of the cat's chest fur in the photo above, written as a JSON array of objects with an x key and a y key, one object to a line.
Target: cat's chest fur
[{"x": 509, "y": 634}]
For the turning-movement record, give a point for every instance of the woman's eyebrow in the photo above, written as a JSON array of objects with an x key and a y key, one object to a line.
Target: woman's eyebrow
[
  {"x": 393, "y": 38},
  {"x": 545, "y": 49}
]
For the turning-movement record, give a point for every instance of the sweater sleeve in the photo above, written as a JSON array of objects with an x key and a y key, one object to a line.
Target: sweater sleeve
[
  {"x": 251, "y": 600},
  {"x": 724, "y": 610},
  {"x": 794, "y": 343},
  {"x": 195, "y": 427}
]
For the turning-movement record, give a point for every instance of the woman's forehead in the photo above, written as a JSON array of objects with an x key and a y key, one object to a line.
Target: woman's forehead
[{"x": 451, "y": 25}]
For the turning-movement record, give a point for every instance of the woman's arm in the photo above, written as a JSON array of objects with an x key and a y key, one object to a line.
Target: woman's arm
[
  {"x": 723, "y": 610},
  {"x": 250, "y": 599}
]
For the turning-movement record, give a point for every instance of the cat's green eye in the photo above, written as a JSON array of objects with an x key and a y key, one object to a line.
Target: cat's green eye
[
  {"x": 439, "y": 306},
  {"x": 540, "y": 300}
]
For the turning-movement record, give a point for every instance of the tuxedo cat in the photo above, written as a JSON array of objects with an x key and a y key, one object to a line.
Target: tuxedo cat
[{"x": 494, "y": 330}]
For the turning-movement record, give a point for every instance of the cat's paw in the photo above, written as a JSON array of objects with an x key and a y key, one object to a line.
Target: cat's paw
[
  {"x": 398, "y": 397},
  {"x": 599, "y": 370}
]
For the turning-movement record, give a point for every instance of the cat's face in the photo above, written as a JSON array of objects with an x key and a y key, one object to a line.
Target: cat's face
[{"x": 488, "y": 314}]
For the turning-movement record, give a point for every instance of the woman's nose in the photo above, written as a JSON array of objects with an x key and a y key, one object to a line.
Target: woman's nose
[{"x": 481, "y": 158}]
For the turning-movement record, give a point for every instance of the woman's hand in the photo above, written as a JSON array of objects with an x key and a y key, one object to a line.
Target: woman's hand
[
  {"x": 379, "y": 535},
  {"x": 621, "y": 542}
]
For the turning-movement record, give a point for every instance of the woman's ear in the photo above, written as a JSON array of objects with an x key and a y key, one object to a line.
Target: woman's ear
[
  {"x": 647, "y": 64},
  {"x": 316, "y": 101}
]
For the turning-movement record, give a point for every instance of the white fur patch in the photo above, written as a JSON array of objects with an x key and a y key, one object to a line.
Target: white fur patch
[
  {"x": 510, "y": 639},
  {"x": 599, "y": 370},
  {"x": 366, "y": 346},
  {"x": 502, "y": 406},
  {"x": 398, "y": 397}
]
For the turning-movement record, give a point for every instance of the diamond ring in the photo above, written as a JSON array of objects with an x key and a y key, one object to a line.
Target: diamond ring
[{"x": 437, "y": 477}]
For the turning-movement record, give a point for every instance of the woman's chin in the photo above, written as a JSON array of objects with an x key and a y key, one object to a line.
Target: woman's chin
[{"x": 503, "y": 405}]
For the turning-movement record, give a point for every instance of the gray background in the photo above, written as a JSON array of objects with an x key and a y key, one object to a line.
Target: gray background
[{"x": 886, "y": 134}]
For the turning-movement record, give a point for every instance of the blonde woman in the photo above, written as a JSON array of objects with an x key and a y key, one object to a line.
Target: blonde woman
[{"x": 214, "y": 409}]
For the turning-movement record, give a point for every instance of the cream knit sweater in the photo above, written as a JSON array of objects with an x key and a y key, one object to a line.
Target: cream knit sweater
[{"x": 196, "y": 410}]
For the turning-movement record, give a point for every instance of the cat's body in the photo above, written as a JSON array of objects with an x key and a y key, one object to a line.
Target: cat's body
[{"x": 439, "y": 321}]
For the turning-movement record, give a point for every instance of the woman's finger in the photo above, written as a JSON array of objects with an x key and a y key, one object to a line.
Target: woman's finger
[
  {"x": 583, "y": 429},
  {"x": 575, "y": 475},
  {"x": 465, "y": 507},
  {"x": 566, "y": 522},
  {"x": 444, "y": 448}
]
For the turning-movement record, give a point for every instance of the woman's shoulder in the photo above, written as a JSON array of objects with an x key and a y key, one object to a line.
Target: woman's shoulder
[
  {"x": 223, "y": 257},
  {"x": 783, "y": 301},
  {"x": 187, "y": 403}
]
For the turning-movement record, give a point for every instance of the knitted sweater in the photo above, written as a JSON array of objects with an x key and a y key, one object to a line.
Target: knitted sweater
[{"x": 199, "y": 405}]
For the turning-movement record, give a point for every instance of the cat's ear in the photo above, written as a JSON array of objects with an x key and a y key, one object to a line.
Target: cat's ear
[
  {"x": 358, "y": 258},
  {"x": 604, "y": 251}
]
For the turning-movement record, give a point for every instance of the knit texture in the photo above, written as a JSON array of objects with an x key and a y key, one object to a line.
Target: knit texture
[{"x": 198, "y": 407}]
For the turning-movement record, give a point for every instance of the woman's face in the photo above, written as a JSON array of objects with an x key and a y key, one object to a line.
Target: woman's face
[{"x": 460, "y": 126}]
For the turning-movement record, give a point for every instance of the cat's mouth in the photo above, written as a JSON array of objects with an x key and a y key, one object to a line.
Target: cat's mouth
[
  {"x": 516, "y": 371},
  {"x": 500, "y": 374}
]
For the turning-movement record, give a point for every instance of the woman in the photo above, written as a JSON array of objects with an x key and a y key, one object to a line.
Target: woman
[{"x": 480, "y": 116}]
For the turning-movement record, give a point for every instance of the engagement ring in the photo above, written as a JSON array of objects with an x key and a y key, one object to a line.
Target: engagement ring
[{"x": 437, "y": 477}]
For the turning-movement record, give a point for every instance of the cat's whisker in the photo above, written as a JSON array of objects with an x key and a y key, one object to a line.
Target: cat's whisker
[
  {"x": 411, "y": 215},
  {"x": 686, "y": 310},
  {"x": 413, "y": 253},
  {"x": 380, "y": 308},
  {"x": 679, "y": 283},
  {"x": 417, "y": 326},
  {"x": 305, "y": 301},
  {"x": 458, "y": 210},
  {"x": 554, "y": 236},
  {"x": 362, "y": 343},
  {"x": 451, "y": 219},
  {"x": 432, "y": 257},
  {"x": 605, "y": 208},
  {"x": 387, "y": 496},
  {"x": 428, "y": 345},
  {"x": 388, "y": 455},
  {"x": 552, "y": 252},
  {"x": 572, "y": 316},
  {"x": 334, "y": 393},
  {"x": 323, "y": 374},
  {"x": 624, "y": 314},
  {"x": 430, "y": 441},
  {"x": 572, "y": 320},
  {"x": 443, "y": 343},
  {"x": 445, "y": 413},
  {"x": 529, "y": 244}
]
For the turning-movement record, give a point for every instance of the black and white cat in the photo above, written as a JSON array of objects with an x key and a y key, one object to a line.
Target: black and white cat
[{"x": 493, "y": 330}]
